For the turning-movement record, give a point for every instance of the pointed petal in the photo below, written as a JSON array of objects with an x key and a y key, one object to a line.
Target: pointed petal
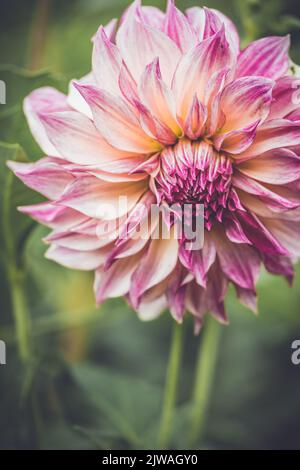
[
  {"x": 106, "y": 63},
  {"x": 117, "y": 122},
  {"x": 279, "y": 166},
  {"x": 158, "y": 263},
  {"x": 43, "y": 100},
  {"x": 240, "y": 263},
  {"x": 158, "y": 98},
  {"x": 271, "y": 135},
  {"x": 46, "y": 176},
  {"x": 286, "y": 97},
  {"x": 178, "y": 28},
  {"x": 101, "y": 199},
  {"x": 195, "y": 69},
  {"x": 245, "y": 101},
  {"x": 83, "y": 260},
  {"x": 266, "y": 57},
  {"x": 140, "y": 44}
]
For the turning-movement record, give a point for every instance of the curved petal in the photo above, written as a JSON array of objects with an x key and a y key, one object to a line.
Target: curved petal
[
  {"x": 240, "y": 263},
  {"x": 43, "y": 100},
  {"x": 140, "y": 43},
  {"x": 46, "y": 176},
  {"x": 157, "y": 264},
  {"x": 158, "y": 98},
  {"x": 101, "y": 199},
  {"x": 271, "y": 135},
  {"x": 199, "y": 261},
  {"x": 77, "y": 139},
  {"x": 274, "y": 200},
  {"x": 117, "y": 122},
  {"x": 75, "y": 99},
  {"x": 178, "y": 28},
  {"x": 266, "y": 57},
  {"x": 286, "y": 97},
  {"x": 106, "y": 63},
  {"x": 244, "y": 101},
  {"x": 74, "y": 259},
  {"x": 115, "y": 281},
  {"x": 277, "y": 166},
  {"x": 195, "y": 69}
]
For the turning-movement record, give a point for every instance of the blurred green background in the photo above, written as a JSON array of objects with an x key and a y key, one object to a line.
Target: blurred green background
[{"x": 80, "y": 377}]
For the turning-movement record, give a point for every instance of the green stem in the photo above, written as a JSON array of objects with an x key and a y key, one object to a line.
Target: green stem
[
  {"x": 204, "y": 378},
  {"x": 170, "y": 387},
  {"x": 21, "y": 317}
]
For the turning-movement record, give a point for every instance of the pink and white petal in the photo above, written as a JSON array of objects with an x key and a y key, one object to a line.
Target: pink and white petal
[
  {"x": 117, "y": 122},
  {"x": 176, "y": 293},
  {"x": 152, "y": 305},
  {"x": 286, "y": 97},
  {"x": 215, "y": 292},
  {"x": 259, "y": 235},
  {"x": 115, "y": 281},
  {"x": 77, "y": 139},
  {"x": 281, "y": 265},
  {"x": 271, "y": 135},
  {"x": 259, "y": 207},
  {"x": 195, "y": 69},
  {"x": 128, "y": 86},
  {"x": 74, "y": 259},
  {"x": 244, "y": 101},
  {"x": 110, "y": 29},
  {"x": 158, "y": 97},
  {"x": 236, "y": 142},
  {"x": 196, "y": 120},
  {"x": 196, "y": 18},
  {"x": 59, "y": 218},
  {"x": 43, "y": 100},
  {"x": 287, "y": 232},
  {"x": 232, "y": 33},
  {"x": 77, "y": 241},
  {"x": 266, "y": 57},
  {"x": 158, "y": 262},
  {"x": 47, "y": 176},
  {"x": 199, "y": 261},
  {"x": 274, "y": 200},
  {"x": 140, "y": 44},
  {"x": 153, "y": 127},
  {"x": 152, "y": 16},
  {"x": 279, "y": 166},
  {"x": 239, "y": 262},
  {"x": 234, "y": 230},
  {"x": 247, "y": 297},
  {"x": 178, "y": 28},
  {"x": 106, "y": 63},
  {"x": 75, "y": 99},
  {"x": 100, "y": 199}
]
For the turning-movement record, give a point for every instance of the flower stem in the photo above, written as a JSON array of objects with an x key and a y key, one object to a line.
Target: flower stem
[
  {"x": 204, "y": 378},
  {"x": 170, "y": 387},
  {"x": 21, "y": 316}
]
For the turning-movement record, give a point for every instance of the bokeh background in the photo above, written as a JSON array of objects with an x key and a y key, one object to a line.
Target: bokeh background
[{"x": 78, "y": 377}]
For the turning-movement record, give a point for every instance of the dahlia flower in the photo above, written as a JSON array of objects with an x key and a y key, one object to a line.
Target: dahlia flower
[{"x": 173, "y": 111}]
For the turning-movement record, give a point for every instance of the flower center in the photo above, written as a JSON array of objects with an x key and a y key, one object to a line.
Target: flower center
[{"x": 194, "y": 173}]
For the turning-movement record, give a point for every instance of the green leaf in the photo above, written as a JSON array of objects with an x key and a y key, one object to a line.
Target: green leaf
[
  {"x": 131, "y": 405},
  {"x": 14, "y": 226}
]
